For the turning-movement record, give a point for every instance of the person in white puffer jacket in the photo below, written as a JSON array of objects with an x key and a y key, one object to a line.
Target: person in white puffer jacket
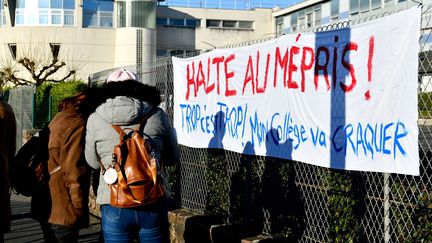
[{"x": 127, "y": 102}]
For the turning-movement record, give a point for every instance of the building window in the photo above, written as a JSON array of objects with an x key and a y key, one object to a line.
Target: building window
[
  {"x": 168, "y": 52},
  {"x": 20, "y": 3},
  {"x": 375, "y": 4},
  {"x": 106, "y": 19},
  {"x": 70, "y": 4},
  {"x": 176, "y": 22},
  {"x": 3, "y": 18},
  {"x": 13, "y": 50},
  {"x": 176, "y": 52},
  {"x": 294, "y": 18},
  {"x": 334, "y": 10},
  {"x": 43, "y": 17},
  {"x": 69, "y": 17},
  {"x": 143, "y": 14},
  {"x": 121, "y": 14},
  {"x": 213, "y": 23},
  {"x": 161, "y": 21},
  {"x": 43, "y": 3},
  {"x": 56, "y": 17},
  {"x": 306, "y": 18},
  {"x": 317, "y": 15},
  {"x": 189, "y": 23},
  {"x": 161, "y": 53},
  {"x": 354, "y": 6},
  {"x": 55, "y": 49},
  {"x": 2, "y": 13},
  {"x": 56, "y": 4},
  {"x": 19, "y": 17},
  {"x": 309, "y": 20},
  {"x": 98, "y": 13},
  {"x": 301, "y": 20},
  {"x": 246, "y": 24},
  {"x": 364, "y": 5},
  {"x": 279, "y": 25},
  {"x": 193, "y": 23},
  {"x": 230, "y": 24},
  {"x": 309, "y": 17},
  {"x": 45, "y": 12}
]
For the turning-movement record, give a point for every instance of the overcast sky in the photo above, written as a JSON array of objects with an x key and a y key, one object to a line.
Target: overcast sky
[{"x": 232, "y": 4}]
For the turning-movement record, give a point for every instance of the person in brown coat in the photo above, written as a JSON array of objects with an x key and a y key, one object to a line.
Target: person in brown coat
[
  {"x": 7, "y": 152},
  {"x": 69, "y": 173}
]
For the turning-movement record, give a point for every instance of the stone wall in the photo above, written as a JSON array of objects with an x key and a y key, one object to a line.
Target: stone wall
[{"x": 187, "y": 226}]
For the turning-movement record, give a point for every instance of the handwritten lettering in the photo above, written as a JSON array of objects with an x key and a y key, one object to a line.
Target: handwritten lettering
[
  {"x": 288, "y": 65},
  {"x": 360, "y": 139}
]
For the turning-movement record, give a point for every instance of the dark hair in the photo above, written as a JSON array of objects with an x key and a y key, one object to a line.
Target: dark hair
[
  {"x": 84, "y": 102},
  {"x": 132, "y": 89}
]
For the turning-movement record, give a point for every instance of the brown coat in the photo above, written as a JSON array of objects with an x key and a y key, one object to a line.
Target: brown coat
[
  {"x": 7, "y": 152},
  {"x": 69, "y": 185}
]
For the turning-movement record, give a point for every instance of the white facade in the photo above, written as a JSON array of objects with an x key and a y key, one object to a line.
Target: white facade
[
  {"x": 180, "y": 30},
  {"x": 313, "y": 13},
  {"x": 95, "y": 35},
  {"x": 91, "y": 35}
]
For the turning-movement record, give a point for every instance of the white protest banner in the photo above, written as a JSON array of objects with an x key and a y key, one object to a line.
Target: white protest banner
[{"x": 344, "y": 99}]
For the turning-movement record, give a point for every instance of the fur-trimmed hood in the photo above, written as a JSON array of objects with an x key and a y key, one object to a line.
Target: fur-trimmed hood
[{"x": 123, "y": 110}]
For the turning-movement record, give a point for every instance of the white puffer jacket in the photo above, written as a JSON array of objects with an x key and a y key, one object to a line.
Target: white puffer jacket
[{"x": 126, "y": 112}]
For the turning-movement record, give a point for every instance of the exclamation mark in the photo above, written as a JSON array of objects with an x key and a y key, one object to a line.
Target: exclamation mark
[{"x": 369, "y": 65}]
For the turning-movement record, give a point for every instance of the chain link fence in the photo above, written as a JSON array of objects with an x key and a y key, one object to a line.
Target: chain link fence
[
  {"x": 22, "y": 101},
  {"x": 30, "y": 114},
  {"x": 295, "y": 201}
]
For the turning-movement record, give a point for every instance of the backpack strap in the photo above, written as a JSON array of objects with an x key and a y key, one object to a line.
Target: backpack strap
[
  {"x": 143, "y": 122},
  {"x": 102, "y": 165}
]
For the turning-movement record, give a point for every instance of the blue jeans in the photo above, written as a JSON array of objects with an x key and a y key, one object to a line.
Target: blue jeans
[{"x": 149, "y": 223}]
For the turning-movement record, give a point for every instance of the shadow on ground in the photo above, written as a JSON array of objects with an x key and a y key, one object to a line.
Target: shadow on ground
[{"x": 25, "y": 229}]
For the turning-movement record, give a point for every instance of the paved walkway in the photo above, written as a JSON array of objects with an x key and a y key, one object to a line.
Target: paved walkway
[{"x": 24, "y": 229}]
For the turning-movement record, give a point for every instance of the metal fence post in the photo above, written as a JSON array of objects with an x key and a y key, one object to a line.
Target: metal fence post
[
  {"x": 33, "y": 108},
  {"x": 386, "y": 207}
]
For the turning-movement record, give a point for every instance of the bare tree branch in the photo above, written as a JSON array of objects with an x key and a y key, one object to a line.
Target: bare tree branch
[
  {"x": 71, "y": 72},
  {"x": 51, "y": 69},
  {"x": 30, "y": 66},
  {"x": 41, "y": 75},
  {"x": 39, "y": 67},
  {"x": 7, "y": 74}
]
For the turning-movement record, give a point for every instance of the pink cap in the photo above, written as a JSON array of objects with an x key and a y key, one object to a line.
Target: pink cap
[{"x": 121, "y": 75}]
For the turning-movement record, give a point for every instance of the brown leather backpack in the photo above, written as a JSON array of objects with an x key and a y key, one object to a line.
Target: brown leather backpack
[{"x": 138, "y": 173}]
